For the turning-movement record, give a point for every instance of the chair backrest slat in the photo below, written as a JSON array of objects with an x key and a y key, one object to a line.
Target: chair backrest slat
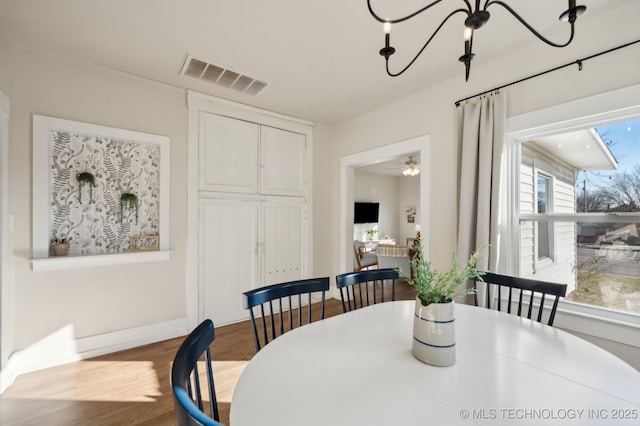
[
  {"x": 213, "y": 403},
  {"x": 531, "y": 305},
  {"x": 185, "y": 379},
  {"x": 196, "y": 385},
  {"x": 539, "y": 319},
  {"x": 519, "y": 303},
  {"x": 352, "y": 285},
  {"x": 282, "y": 294},
  {"x": 552, "y": 315},
  {"x": 522, "y": 285}
]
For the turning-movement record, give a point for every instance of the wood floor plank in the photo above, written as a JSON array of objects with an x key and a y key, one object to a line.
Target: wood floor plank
[{"x": 131, "y": 387}]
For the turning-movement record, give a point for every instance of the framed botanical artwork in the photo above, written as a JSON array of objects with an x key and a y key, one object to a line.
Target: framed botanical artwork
[
  {"x": 95, "y": 187},
  {"x": 411, "y": 214}
]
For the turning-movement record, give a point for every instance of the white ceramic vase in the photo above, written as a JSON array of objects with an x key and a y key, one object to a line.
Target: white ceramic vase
[{"x": 434, "y": 337}]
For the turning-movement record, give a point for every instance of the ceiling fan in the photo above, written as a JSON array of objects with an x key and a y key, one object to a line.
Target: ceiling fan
[{"x": 411, "y": 167}]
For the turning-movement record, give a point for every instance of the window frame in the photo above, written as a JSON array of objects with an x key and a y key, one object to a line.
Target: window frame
[
  {"x": 593, "y": 111},
  {"x": 541, "y": 262}
]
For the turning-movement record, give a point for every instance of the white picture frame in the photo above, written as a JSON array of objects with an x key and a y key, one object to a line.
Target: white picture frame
[{"x": 44, "y": 131}]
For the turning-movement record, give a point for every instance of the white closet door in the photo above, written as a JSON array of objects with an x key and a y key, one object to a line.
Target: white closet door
[
  {"x": 228, "y": 154},
  {"x": 283, "y": 162},
  {"x": 282, "y": 228},
  {"x": 227, "y": 257}
]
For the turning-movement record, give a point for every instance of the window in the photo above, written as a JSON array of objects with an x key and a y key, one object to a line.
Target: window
[
  {"x": 580, "y": 223},
  {"x": 544, "y": 230}
]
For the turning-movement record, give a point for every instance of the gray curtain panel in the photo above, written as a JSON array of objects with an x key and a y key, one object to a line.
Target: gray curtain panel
[{"x": 482, "y": 132}]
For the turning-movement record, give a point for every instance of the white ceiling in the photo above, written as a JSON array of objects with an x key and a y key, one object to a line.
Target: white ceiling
[
  {"x": 320, "y": 58},
  {"x": 392, "y": 167}
]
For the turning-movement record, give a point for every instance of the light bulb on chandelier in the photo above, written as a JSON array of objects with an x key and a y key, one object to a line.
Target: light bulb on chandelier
[
  {"x": 411, "y": 171},
  {"x": 474, "y": 20}
]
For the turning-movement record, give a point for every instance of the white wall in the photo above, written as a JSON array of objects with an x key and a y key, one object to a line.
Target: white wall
[
  {"x": 324, "y": 200},
  {"x": 408, "y": 195},
  {"x": 394, "y": 194},
  {"x": 91, "y": 302},
  {"x": 6, "y": 62},
  {"x": 6, "y": 309},
  {"x": 433, "y": 112},
  {"x": 377, "y": 188},
  {"x": 101, "y": 300}
]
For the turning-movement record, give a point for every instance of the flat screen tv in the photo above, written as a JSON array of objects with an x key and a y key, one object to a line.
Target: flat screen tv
[{"x": 365, "y": 212}]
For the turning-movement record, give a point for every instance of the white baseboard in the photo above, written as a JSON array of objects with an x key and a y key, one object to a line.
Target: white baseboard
[{"x": 63, "y": 348}]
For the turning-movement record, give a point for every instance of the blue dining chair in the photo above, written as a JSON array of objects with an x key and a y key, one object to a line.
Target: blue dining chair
[
  {"x": 281, "y": 318},
  {"x": 359, "y": 289},
  {"x": 511, "y": 292},
  {"x": 185, "y": 379}
]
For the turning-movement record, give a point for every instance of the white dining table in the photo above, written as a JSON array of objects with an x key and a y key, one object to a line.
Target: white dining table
[{"x": 357, "y": 369}]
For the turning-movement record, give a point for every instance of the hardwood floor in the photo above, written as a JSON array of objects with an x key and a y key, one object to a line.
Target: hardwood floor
[{"x": 131, "y": 387}]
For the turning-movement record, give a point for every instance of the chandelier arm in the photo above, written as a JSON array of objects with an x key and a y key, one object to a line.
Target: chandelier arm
[
  {"x": 395, "y": 21},
  {"x": 426, "y": 44},
  {"x": 467, "y": 63},
  {"x": 529, "y": 27}
]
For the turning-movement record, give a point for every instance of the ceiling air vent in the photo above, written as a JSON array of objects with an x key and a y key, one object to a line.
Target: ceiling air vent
[{"x": 221, "y": 76}]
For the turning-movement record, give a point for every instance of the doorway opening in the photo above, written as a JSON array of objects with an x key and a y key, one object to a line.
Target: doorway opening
[{"x": 418, "y": 146}]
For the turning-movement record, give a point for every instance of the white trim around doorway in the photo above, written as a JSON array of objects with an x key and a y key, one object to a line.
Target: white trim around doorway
[
  {"x": 349, "y": 163},
  {"x": 5, "y": 219}
]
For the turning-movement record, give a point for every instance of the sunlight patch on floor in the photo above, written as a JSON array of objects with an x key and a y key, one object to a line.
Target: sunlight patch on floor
[
  {"x": 225, "y": 376},
  {"x": 95, "y": 377}
]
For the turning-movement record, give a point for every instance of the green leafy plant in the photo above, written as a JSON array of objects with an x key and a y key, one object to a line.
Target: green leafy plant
[
  {"x": 86, "y": 178},
  {"x": 440, "y": 287},
  {"x": 128, "y": 201},
  {"x": 371, "y": 233}
]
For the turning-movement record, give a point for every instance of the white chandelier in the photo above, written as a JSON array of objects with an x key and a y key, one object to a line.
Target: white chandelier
[
  {"x": 411, "y": 171},
  {"x": 412, "y": 168}
]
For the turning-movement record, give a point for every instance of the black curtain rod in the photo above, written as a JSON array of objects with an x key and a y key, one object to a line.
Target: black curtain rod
[{"x": 576, "y": 62}]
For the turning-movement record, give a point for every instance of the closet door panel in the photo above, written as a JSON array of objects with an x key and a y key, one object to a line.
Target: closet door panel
[
  {"x": 282, "y": 223},
  {"x": 227, "y": 257},
  {"x": 283, "y": 162},
  {"x": 228, "y": 154}
]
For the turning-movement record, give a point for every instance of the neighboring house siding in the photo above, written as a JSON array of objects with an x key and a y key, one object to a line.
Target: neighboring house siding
[
  {"x": 527, "y": 200},
  {"x": 565, "y": 234},
  {"x": 561, "y": 265}
]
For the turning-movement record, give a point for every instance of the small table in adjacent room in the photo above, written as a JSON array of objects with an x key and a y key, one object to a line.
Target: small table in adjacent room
[{"x": 357, "y": 369}]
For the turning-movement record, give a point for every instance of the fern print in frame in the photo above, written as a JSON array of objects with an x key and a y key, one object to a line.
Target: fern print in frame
[{"x": 118, "y": 159}]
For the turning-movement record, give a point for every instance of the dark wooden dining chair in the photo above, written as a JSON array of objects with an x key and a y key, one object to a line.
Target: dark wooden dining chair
[
  {"x": 281, "y": 317},
  {"x": 359, "y": 289},
  {"x": 521, "y": 291},
  {"x": 188, "y": 396}
]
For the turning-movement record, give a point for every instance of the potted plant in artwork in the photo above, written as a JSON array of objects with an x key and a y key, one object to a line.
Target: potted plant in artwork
[
  {"x": 434, "y": 322},
  {"x": 60, "y": 247},
  {"x": 86, "y": 178},
  {"x": 128, "y": 201}
]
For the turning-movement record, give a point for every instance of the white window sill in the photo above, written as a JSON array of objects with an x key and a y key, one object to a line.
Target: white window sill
[
  {"x": 621, "y": 327},
  {"x": 542, "y": 264},
  {"x": 88, "y": 261}
]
